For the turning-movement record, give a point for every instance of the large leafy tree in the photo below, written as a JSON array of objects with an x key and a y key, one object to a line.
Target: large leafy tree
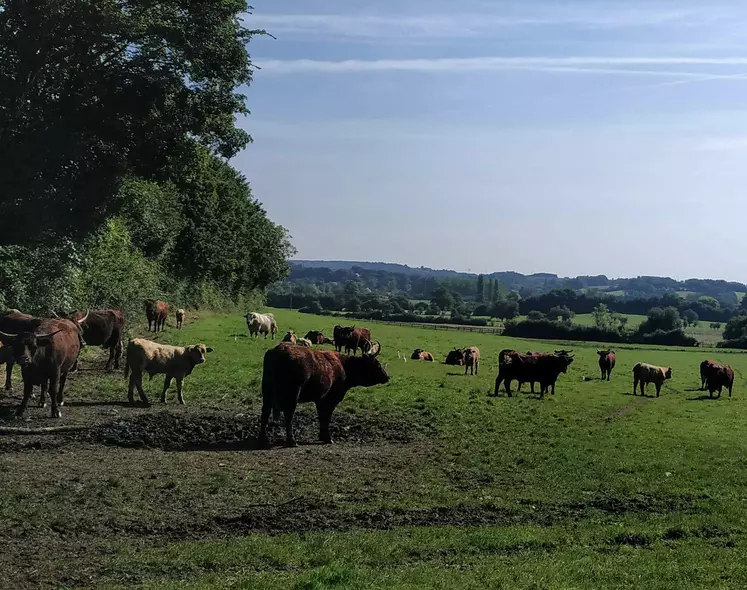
[{"x": 93, "y": 91}]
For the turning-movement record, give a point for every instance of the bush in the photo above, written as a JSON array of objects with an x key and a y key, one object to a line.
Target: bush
[
  {"x": 547, "y": 329},
  {"x": 665, "y": 338}
]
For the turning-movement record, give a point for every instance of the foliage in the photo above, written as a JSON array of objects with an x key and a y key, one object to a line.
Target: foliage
[
  {"x": 736, "y": 328},
  {"x": 535, "y": 315},
  {"x": 690, "y": 318},
  {"x": 666, "y": 320},
  {"x": 602, "y": 317},
  {"x": 146, "y": 69}
]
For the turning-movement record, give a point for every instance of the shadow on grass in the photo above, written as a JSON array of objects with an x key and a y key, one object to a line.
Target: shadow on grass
[{"x": 702, "y": 398}]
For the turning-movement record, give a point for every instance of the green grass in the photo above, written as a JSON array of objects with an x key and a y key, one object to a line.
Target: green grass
[{"x": 589, "y": 488}]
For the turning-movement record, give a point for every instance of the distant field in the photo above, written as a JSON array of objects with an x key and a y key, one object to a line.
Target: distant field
[{"x": 432, "y": 482}]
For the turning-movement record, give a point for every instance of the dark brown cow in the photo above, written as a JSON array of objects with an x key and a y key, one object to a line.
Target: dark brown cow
[
  {"x": 105, "y": 328},
  {"x": 536, "y": 367},
  {"x": 720, "y": 377},
  {"x": 14, "y": 323},
  {"x": 180, "y": 313},
  {"x": 293, "y": 375},
  {"x": 317, "y": 337},
  {"x": 357, "y": 338},
  {"x": 706, "y": 367},
  {"x": 455, "y": 357},
  {"x": 46, "y": 355},
  {"x": 156, "y": 311},
  {"x": 340, "y": 335},
  {"x": 606, "y": 363}
]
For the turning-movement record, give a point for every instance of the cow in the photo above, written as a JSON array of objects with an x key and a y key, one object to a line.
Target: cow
[
  {"x": 261, "y": 323},
  {"x": 317, "y": 337},
  {"x": 606, "y": 363},
  {"x": 471, "y": 360},
  {"x": 105, "y": 328},
  {"x": 720, "y": 377},
  {"x": 455, "y": 357},
  {"x": 304, "y": 342},
  {"x": 537, "y": 367},
  {"x": 180, "y": 318},
  {"x": 293, "y": 375},
  {"x": 644, "y": 373},
  {"x": 357, "y": 338},
  {"x": 290, "y": 337},
  {"x": 156, "y": 311},
  {"x": 420, "y": 355},
  {"x": 46, "y": 354},
  {"x": 706, "y": 367},
  {"x": 533, "y": 376},
  {"x": 176, "y": 362},
  {"x": 340, "y": 336}
]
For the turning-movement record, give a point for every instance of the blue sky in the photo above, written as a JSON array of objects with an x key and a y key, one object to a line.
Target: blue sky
[{"x": 575, "y": 137}]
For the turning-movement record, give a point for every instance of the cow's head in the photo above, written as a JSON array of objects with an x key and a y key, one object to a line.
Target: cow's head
[
  {"x": 26, "y": 344},
  {"x": 197, "y": 353},
  {"x": 367, "y": 370},
  {"x": 565, "y": 362},
  {"x": 668, "y": 373},
  {"x": 604, "y": 353}
]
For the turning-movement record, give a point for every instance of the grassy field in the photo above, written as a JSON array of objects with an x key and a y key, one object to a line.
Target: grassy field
[{"x": 431, "y": 483}]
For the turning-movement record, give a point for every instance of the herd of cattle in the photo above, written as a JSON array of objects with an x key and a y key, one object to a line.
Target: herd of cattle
[{"x": 294, "y": 372}]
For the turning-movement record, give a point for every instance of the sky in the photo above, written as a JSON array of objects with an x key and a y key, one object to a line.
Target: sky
[{"x": 572, "y": 137}]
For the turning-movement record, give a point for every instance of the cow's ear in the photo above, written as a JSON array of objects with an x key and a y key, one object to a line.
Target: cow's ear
[{"x": 208, "y": 350}]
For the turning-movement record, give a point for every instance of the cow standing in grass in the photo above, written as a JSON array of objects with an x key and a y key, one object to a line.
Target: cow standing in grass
[
  {"x": 706, "y": 367},
  {"x": 261, "y": 323},
  {"x": 105, "y": 328},
  {"x": 294, "y": 375},
  {"x": 358, "y": 338},
  {"x": 644, "y": 373},
  {"x": 176, "y": 362},
  {"x": 46, "y": 353},
  {"x": 606, "y": 363},
  {"x": 471, "y": 360},
  {"x": 542, "y": 368},
  {"x": 716, "y": 377},
  {"x": 180, "y": 313},
  {"x": 156, "y": 312},
  {"x": 13, "y": 321}
]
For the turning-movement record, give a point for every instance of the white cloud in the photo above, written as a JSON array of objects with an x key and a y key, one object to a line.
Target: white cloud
[{"x": 587, "y": 64}]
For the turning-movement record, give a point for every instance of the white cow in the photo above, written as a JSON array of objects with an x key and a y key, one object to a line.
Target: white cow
[{"x": 261, "y": 323}]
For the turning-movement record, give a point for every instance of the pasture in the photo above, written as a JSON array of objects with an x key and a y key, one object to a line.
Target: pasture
[{"x": 431, "y": 482}]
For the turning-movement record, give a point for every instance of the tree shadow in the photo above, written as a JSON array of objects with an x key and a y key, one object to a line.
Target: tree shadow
[{"x": 693, "y": 390}]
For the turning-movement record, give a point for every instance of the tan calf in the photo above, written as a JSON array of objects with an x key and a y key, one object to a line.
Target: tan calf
[
  {"x": 471, "y": 359},
  {"x": 644, "y": 373},
  {"x": 176, "y": 362}
]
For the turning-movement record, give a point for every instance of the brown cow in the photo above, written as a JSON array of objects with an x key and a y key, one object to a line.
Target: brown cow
[
  {"x": 340, "y": 335},
  {"x": 421, "y": 355},
  {"x": 357, "y": 338},
  {"x": 536, "y": 367},
  {"x": 720, "y": 377},
  {"x": 156, "y": 311},
  {"x": 455, "y": 357},
  {"x": 105, "y": 328},
  {"x": 46, "y": 355},
  {"x": 180, "y": 313},
  {"x": 290, "y": 337},
  {"x": 706, "y": 367},
  {"x": 606, "y": 363},
  {"x": 644, "y": 373},
  {"x": 13, "y": 323},
  {"x": 471, "y": 360},
  {"x": 176, "y": 362},
  {"x": 317, "y": 337},
  {"x": 294, "y": 375}
]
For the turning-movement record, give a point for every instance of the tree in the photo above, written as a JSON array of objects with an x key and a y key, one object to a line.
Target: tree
[
  {"x": 736, "y": 328},
  {"x": 690, "y": 318},
  {"x": 711, "y": 302},
  {"x": 666, "y": 319},
  {"x": 602, "y": 317},
  {"x": 505, "y": 309},
  {"x": 535, "y": 315},
  {"x": 443, "y": 298},
  {"x": 715, "y": 325},
  {"x": 490, "y": 291},
  {"x": 560, "y": 311},
  {"x": 480, "y": 288},
  {"x": 91, "y": 92}
]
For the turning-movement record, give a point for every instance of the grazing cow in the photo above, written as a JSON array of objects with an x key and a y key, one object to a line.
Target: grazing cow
[
  {"x": 176, "y": 362},
  {"x": 317, "y": 337},
  {"x": 644, "y": 373},
  {"x": 294, "y": 375},
  {"x": 105, "y": 328},
  {"x": 156, "y": 311},
  {"x": 420, "y": 355},
  {"x": 536, "y": 367},
  {"x": 180, "y": 318},
  {"x": 706, "y": 367},
  {"x": 304, "y": 342},
  {"x": 261, "y": 323},
  {"x": 290, "y": 337},
  {"x": 606, "y": 363},
  {"x": 720, "y": 377},
  {"x": 357, "y": 338},
  {"x": 471, "y": 360},
  {"x": 46, "y": 354},
  {"x": 455, "y": 357}
]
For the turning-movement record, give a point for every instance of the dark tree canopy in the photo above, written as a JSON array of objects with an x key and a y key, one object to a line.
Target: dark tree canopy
[{"x": 91, "y": 92}]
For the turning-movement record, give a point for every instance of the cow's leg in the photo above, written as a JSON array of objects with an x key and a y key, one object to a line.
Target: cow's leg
[
  {"x": 635, "y": 386},
  {"x": 508, "y": 387},
  {"x": 477, "y": 367},
  {"x": 61, "y": 392},
  {"x": 110, "y": 362},
  {"x": 117, "y": 354},
  {"x": 166, "y": 385},
  {"x": 730, "y": 390},
  {"x": 658, "y": 389},
  {"x": 289, "y": 409},
  {"x": 466, "y": 368},
  {"x": 498, "y": 381},
  {"x": 43, "y": 394},
  {"x": 324, "y": 411},
  {"x": 28, "y": 388},
  {"x": 54, "y": 388},
  {"x": 643, "y": 388},
  {"x": 179, "y": 395},
  {"x": 8, "y": 374},
  {"x": 264, "y": 420},
  {"x": 136, "y": 379}
]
